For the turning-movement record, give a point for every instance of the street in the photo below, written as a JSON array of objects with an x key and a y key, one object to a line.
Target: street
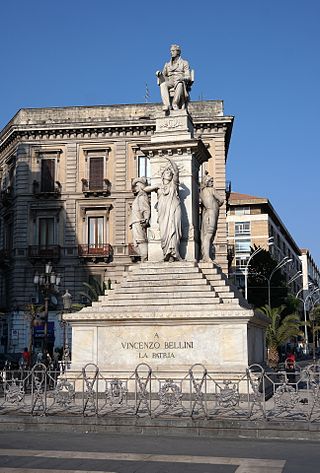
[{"x": 26, "y": 452}]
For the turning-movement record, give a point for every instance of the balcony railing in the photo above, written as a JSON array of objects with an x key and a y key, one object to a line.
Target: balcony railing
[
  {"x": 46, "y": 252},
  {"x": 92, "y": 188},
  {"x": 54, "y": 192},
  {"x": 103, "y": 250}
]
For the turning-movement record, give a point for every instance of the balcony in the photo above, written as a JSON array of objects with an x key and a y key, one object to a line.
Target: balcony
[
  {"x": 53, "y": 191},
  {"x": 96, "y": 252},
  {"x": 96, "y": 189},
  {"x": 48, "y": 252}
]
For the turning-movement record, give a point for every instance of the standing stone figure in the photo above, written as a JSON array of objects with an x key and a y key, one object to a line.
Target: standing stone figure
[
  {"x": 175, "y": 81},
  {"x": 140, "y": 216},
  {"x": 211, "y": 202},
  {"x": 169, "y": 212}
]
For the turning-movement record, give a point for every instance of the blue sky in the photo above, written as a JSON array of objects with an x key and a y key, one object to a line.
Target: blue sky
[{"x": 260, "y": 56}]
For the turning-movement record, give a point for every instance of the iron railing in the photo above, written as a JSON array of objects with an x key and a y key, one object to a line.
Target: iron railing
[
  {"x": 44, "y": 251},
  {"x": 95, "y": 249},
  {"x": 251, "y": 395}
]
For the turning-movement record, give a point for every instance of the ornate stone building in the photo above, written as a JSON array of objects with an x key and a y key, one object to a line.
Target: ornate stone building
[{"x": 66, "y": 194}]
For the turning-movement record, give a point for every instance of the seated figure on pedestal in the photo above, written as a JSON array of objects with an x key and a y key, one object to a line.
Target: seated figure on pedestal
[{"x": 175, "y": 81}]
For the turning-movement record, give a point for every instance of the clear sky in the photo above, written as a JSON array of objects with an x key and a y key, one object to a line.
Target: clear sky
[{"x": 260, "y": 56}]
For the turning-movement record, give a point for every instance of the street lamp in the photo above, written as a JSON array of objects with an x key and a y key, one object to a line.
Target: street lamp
[
  {"x": 296, "y": 276},
  {"x": 67, "y": 304},
  {"x": 280, "y": 265},
  {"x": 305, "y": 300},
  {"x": 47, "y": 283},
  {"x": 302, "y": 289},
  {"x": 246, "y": 269}
]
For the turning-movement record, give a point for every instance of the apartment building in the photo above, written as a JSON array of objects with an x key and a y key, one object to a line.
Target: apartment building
[{"x": 251, "y": 221}]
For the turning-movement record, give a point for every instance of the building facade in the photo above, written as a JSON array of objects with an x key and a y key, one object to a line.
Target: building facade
[
  {"x": 252, "y": 221},
  {"x": 66, "y": 196}
]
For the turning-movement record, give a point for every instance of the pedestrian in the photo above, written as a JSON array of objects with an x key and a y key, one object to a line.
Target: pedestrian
[
  {"x": 26, "y": 358},
  {"x": 56, "y": 358}
]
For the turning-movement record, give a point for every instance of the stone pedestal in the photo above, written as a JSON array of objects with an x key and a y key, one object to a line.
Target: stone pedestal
[
  {"x": 170, "y": 316},
  {"x": 173, "y": 139}
]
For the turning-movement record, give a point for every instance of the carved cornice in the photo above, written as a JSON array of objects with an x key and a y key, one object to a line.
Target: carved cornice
[
  {"x": 15, "y": 134},
  {"x": 179, "y": 148}
]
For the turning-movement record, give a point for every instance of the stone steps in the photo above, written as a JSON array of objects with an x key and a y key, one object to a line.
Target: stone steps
[
  {"x": 194, "y": 288},
  {"x": 166, "y": 283},
  {"x": 155, "y": 301},
  {"x": 157, "y": 307},
  {"x": 160, "y": 277},
  {"x": 165, "y": 271},
  {"x": 186, "y": 296},
  {"x": 177, "y": 288}
]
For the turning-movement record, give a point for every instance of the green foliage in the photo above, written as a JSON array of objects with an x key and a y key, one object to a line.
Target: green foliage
[
  {"x": 280, "y": 329},
  {"x": 261, "y": 266},
  {"x": 94, "y": 290}
]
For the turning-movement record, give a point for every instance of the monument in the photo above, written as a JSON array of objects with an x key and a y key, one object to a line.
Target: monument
[{"x": 174, "y": 307}]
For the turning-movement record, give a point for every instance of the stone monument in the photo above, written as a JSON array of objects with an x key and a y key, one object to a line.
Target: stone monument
[{"x": 174, "y": 308}]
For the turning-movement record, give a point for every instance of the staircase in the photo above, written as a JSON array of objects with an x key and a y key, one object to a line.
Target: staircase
[{"x": 180, "y": 289}]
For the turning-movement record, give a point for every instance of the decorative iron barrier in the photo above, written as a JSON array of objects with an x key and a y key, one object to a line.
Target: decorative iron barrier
[{"x": 254, "y": 394}]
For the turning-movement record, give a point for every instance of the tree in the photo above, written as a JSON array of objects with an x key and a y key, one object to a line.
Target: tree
[
  {"x": 314, "y": 317},
  {"x": 261, "y": 266},
  {"x": 279, "y": 331}
]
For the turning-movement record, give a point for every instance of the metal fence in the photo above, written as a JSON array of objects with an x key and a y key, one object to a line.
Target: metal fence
[{"x": 253, "y": 394}]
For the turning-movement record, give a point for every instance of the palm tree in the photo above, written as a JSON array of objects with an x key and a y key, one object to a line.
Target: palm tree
[
  {"x": 94, "y": 290},
  {"x": 279, "y": 330}
]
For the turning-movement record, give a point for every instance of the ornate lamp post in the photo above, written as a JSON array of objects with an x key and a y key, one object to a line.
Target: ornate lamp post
[
  {"x": 47, "y": 283},
  {"x": 67, "y": 304}
]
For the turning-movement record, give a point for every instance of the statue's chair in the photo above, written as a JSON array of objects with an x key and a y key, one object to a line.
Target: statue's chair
[{"x": 168, "y": 94}]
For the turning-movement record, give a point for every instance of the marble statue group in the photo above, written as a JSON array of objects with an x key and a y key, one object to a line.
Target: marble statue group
[{"x": 175, "y": 83}]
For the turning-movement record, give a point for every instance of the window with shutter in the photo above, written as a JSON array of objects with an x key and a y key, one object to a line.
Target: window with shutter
[
  {"x": 96, "y": 173},
  {"x": 47, "y": 175},
  {"x": 96, "y": 233},
  {"x": 46, "y": 232}
]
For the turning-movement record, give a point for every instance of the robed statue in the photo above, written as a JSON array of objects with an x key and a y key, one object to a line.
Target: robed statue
[{"x": 169, "y": 211}]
